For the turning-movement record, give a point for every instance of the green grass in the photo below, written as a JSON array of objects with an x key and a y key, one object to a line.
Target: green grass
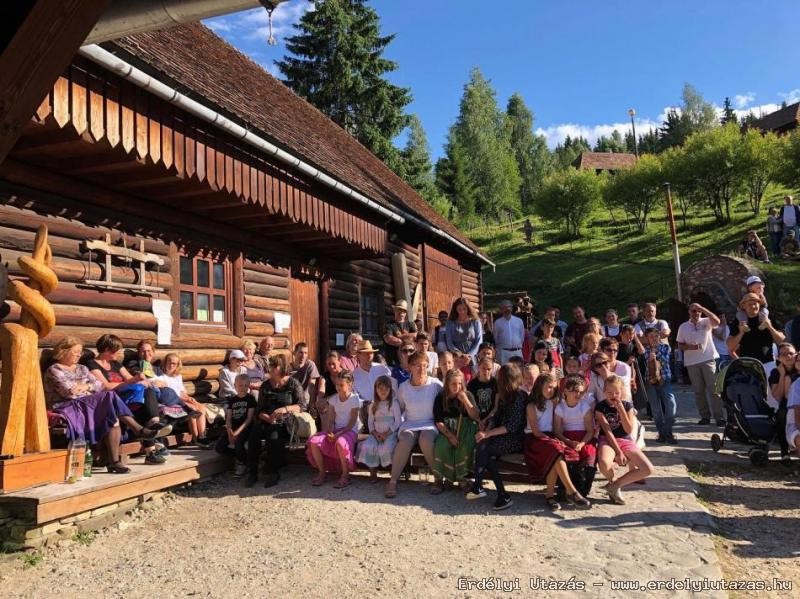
[
  {"x": 85, "y": 538},
  {"x": 612, "y": 264},
  {"x": 31, "y": 560}
]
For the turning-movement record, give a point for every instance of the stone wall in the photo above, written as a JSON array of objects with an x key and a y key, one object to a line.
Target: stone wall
[
  {"x": 19, "y": 532},
  {"x": 720, "y": 279}
]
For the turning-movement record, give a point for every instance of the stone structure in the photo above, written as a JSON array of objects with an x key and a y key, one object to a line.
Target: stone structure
[{"x": 718, "y": 282}]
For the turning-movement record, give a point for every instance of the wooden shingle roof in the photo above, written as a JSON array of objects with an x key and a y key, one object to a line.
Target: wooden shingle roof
[
  {"x": 605, "y": 161},
  {"x": 782, "y": 119},
  {"x": 205, "y": 67}
]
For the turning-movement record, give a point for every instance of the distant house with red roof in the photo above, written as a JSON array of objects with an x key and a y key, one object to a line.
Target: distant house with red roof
[{"x": 604, "y": 161}]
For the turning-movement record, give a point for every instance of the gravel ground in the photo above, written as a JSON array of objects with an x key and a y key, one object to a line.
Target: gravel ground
[{"x": 216, "y": 539}]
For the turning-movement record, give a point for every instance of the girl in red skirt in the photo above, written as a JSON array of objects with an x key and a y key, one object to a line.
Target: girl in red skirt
[
  {"x": 573, "y": 425},
  {"x": 617, "y": 420},
  {"x": 544, "y": 454}
]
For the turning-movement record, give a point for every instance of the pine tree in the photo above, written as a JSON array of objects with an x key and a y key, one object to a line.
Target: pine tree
[
  {"x": 338, "y": 66},
  {"x": 417, "y": 169},
  {"x": 567, "y": 151},
  {"x": 728, "y": 114},
  {"x": 530, "y": 151},
  {"x": 612, "y": 143},
  {"x": 481, "y": 161}
]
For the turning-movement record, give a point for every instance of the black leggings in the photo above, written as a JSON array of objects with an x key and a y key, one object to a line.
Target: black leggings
[
  {"x": 780, "y": 426},
  {"x": 277, "y": 437},
  {"x": 147, "y": 411},
  {"x": 486, "y": 454}
]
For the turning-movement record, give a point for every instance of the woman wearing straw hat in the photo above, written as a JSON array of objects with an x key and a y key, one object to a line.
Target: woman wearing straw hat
[{"x": 395, "y": 329}]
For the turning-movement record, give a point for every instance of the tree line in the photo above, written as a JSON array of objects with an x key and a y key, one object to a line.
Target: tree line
[{"x": 495, "y": 166}]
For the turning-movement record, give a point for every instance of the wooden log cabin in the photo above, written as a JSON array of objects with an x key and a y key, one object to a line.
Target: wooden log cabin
[{"x": 191, "y": 196}]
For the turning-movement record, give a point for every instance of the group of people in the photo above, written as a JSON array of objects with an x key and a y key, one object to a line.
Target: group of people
[
  {"x": 465, "y": 407},
  {"x": 561, "y": 394},
  {"x": 783, "y": 229}
]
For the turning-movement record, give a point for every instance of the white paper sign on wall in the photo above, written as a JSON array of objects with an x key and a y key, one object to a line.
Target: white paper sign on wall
[{"x": 282, "y": 322}]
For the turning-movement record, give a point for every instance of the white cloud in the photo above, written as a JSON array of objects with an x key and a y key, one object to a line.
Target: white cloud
[
  {"x": 252, "y": 24},
  {"x": 555, "y": 134},
  {"x": 791, "y": 97},
  {"x": 744, "y": 100}
]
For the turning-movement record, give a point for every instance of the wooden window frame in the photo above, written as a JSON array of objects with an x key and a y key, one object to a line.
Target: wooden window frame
[
  {"x": 377, "y": 292},
  {"x": 229, "y": 278}
]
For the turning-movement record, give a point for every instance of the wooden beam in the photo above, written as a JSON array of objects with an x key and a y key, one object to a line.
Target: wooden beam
[{"x": 35, "y": 55}]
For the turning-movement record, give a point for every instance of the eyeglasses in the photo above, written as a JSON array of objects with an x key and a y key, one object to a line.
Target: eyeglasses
[
  {"x": 788, "y": 354},
  {"x": 612, "y": 350},
  {"x": 408, "y": 351}
]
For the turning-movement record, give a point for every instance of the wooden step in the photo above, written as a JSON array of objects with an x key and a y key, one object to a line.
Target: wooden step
[{"x": 60, "y": 500}]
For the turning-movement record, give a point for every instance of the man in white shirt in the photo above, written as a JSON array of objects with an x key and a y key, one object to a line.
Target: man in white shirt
[
  {"x": 509, "y": 333},
  {"x": 699, "y": 357},
  {"x": 649, "y": 321},
  {"x": 367, "y": 372},
  {"x": 789, "y": 215}
]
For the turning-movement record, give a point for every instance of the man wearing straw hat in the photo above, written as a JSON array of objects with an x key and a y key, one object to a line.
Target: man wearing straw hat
[
  {"x": 365, "y": 375},
  {"x": 395, "y": 329}
]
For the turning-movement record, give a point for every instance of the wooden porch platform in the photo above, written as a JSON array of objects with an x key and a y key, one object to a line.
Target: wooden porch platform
[{"x": 51, "y": 502}]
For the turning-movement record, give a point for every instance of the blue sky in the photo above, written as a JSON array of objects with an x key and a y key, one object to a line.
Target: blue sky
[{"x": 579, "y": 64}]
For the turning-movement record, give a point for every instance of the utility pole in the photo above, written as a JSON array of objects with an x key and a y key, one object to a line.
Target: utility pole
[
  {"x": 632, "y": 113},
  {"x": 676, "y": 257}
]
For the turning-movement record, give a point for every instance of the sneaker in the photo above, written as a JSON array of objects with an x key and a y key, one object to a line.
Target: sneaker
[
  {"x": 762, "y": 326},
  {"x": 251, "y": 479},
  {"x": 476, "y": 493},
  {"x": 615, "y": 495},
  {"x": 163, "y": 451},
  {"x": 503, "y": 502},
  {"x": 203, "y": 443},
  {"x": 240, "y": 470},
  {"x": 671, "y": 440},
  {"x": 154, "y": 458},
  {"x": 704, "y": 421},
  {"x": 661, "y": 438},
  {"x": 744, "y": 327},
  {"x": 272, "y": 480},
  {"x": 721, "y": 422}
]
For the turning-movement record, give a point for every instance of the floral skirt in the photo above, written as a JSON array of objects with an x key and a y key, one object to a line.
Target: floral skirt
[
  {"x": 330, "y": 456},
  {"x": 541, "y": 455},
  {"x": 375, "y": 454},
  {"x": 455, "y": 463}
]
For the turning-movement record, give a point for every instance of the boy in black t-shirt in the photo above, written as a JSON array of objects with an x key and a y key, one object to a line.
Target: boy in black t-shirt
[
  {"x": 239, "y": 414},
  {"x": 484, "y": 389}
]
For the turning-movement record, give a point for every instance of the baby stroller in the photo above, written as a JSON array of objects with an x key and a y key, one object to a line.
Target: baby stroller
[{"x": 742, "y": 385}]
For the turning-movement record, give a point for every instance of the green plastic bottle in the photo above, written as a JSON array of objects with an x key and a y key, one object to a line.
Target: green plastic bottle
[{"x": 87, "y": 463}]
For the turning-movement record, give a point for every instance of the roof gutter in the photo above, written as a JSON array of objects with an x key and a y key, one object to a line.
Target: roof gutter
[{"x": 169, "y": 94}]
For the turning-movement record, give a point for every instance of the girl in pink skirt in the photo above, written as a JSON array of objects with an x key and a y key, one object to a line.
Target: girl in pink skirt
[
  {"x": 617, "y": 420},
  {"x": 544, "y": 454},
  {"x": 333, "y": 449}
]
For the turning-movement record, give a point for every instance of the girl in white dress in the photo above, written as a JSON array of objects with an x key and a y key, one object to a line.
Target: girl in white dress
[{"x": 383, "y": 420}]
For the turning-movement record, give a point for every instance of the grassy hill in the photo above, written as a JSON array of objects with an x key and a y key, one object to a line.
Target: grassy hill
[{"x": 612, "y": 264}]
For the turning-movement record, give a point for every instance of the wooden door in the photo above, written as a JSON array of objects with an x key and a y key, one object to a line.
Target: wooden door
[
  {"x": 304, "y": 300},
  {"x": 442, "y": 282}
]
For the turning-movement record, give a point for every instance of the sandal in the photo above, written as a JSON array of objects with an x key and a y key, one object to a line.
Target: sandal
[
  {"x": 391, "y": 491},
  {"x": 118, "y": 468},
  {"x": 318, "y": 480},
  {"x": 552, "y": 503},
  {"x": 342, "y": 483}
]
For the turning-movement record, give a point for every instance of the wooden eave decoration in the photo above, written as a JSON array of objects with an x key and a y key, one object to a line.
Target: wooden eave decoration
[{"x": 100, "y": 107}]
